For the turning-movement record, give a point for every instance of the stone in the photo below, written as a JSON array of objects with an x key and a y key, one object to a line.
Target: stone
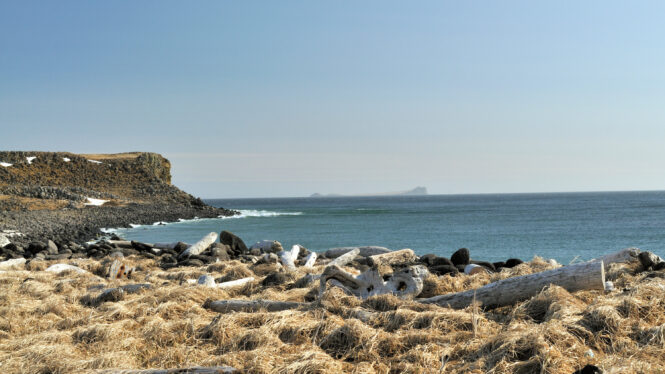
[
  {"x": 51, "y": 248},
  {"x": 62, "y": 256},
  {"x": 206, "y": 280},
  {"x": 444, "y": 269},
  {"x": 267, "y": 246},
  {"x": 4, "y": 241},
  {"x": 461, "y": 257},
  {"x": 112, "y": 295},
  {"x": 589, "y": 369},
  {"x": 438, "y": 261},
  {"x": 512, "y": 262},
  {"x": 179, "y": 247},
  {"x": 427, "y": 259},
  {"x": 191, "y": 262},
  {"x": 36, "y": 247},
  {"x": 274, "y": 279},
  {"x": 220, "y": 251},
  {"x": 13, "y": 263},
  {"x": 236, "y": 244},
  {"x": 487, "y": 265},
  {"x": 648, "y": 259},
  {"x": 255, "y": 251},
  {"x": 268, "y": 258},
  {"x": 141, "y": 247},
  {"x": 498, "y": 265}
]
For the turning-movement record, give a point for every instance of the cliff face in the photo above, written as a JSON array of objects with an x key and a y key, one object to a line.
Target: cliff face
[{"x": 51, "y": 180}]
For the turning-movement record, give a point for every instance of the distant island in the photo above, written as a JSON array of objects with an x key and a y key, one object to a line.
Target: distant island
[{"x": 418, "y": 191}]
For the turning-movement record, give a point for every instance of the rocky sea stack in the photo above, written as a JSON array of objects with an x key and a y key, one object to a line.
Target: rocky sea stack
[{"x": 62, "y": 196}]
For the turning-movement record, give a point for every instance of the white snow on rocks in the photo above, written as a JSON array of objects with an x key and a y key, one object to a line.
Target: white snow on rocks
[
  {"x": 5, "y": 164},
  {"x": 66, "y": 159},
  {"x": 95, "y": 202},
  {"x": 95, "y": 161},
  {"x": 30, "y": 159}
]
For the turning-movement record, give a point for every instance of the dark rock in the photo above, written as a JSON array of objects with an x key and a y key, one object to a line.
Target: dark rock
[
  {"x": 179, "y": 247},
  {"x": 589, "y": 369},
  {"x": 191, "y": 262},
  {"x": 461, "y": 257},
  {"x": 427, "y": 259},
  {"x": 648, "y": 259},
  {"x": 13, "y": 247},
  {"x": 512, "y": 262},
  {"x": 236, "y": 244},
  {"x": 63, "y": 256},
  {"x": 128, "y": 251},
  {"x": 304, "y": 281},
  {"x": 437, "y": 261},
  {"x": 65, "y": 250},
  {"x": 460, "y": 268},
  {"x": 115, "y": 237},
  {"x": 112, "y": 295},
  {"x": 274, "y": 279},
  {"x": 303, "y": 252},
  {"x": 141, "y": 247},
  {"x": 485, "y": 264},
  {"x": 659, "y": 266},
  {"x": 106, "y": 246},
  {"x": 169, "y": 259},
  {"x": 204, "y": 259},
  {"x": 443, "y": 269},
  {"x": 220, "y": 251},
  {"x": 498, "y": 265},
  {"x": 36, "y": 247}
]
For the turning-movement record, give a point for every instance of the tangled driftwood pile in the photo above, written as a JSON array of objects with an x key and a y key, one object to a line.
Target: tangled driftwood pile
[{"x": 365, "y": 310}]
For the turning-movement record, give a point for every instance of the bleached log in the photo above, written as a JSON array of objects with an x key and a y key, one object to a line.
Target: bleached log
[
  {"x": 624, "y": 255},
  {"x": 345, "y": 258},
  {"x": 584, "y": 276},
  {"x": 310, "y": 260},
  {"x": 13, "y": 263},
  {"x": 289, "y": 258},
  {"x": 405, "y": 283},
  {"x": 235, "y": 283},
  {"x": 59, "y": 268},
  {"x": 228, "y": 306},
  {"x": 190, "y": 370},
  {"x": 397, "y": 257},
  {"x": 365, "y": 251},
  {"x": 199, "y": 246},
  {"x": 272, "y": 246},
  {"x": 121, "y": 243}
]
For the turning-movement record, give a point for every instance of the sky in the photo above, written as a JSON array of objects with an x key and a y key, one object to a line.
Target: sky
[{"x": 289, "y": 98}]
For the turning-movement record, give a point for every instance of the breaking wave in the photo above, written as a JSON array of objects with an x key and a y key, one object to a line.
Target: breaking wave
[{"x": 261, "y": 213}]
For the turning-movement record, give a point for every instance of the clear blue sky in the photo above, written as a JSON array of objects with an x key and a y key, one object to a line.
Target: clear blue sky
[{"x": 285, "y": 98}]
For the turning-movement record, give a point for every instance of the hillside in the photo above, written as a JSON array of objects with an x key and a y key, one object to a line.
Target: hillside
[{"x": 51, "y": 180}]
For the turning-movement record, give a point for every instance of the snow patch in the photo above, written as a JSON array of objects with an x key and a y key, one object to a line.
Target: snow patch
[
  {"x": 29, "y": 159},
  {"x": 96, "y": 202},
  {"x": 66, "y": 159},
  {"x": 5, "y": 164},
  {"x": 95, "y": 161}
]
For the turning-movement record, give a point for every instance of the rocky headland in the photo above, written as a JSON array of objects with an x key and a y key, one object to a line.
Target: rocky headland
[{"x": 66, "y": 197}]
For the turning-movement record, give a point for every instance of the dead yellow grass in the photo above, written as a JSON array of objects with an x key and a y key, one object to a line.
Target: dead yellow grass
[{"x": 48, "y": 325}]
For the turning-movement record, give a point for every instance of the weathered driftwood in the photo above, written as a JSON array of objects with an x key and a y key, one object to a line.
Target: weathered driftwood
[
  {"x": 345, "y": 258},
  {"x": 288, "y": 258},
  {"x": 227, "y": 306},
  {"x": 405, "y": 283},
  {"x": 59, "y": 268},
  {"x": 624, "y": 255},
  {"x": 199, "y": 246},
  {"x": 363, "y": 251},
  {"x": 13, "y": 263},
  {"x": 121, "y": 243},
  {"x": 584, "y": 276},
  {"x": 397, "y": 257},
  {"x": 310, "y": 260},
  {"x": 272, "y": 246},
  {"x": 208, "y": 281},
  {"x": 188, "y": 370},
  {"x": 235, "y": 283}
]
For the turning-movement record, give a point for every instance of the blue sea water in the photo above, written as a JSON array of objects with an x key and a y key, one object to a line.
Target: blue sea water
[{"x": 563, "y": 226}]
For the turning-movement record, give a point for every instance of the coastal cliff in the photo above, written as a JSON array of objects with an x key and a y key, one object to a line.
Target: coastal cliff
[{"x": 65, "y": 196}]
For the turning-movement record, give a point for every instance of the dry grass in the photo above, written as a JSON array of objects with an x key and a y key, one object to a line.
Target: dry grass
[{"x": 47, "y": 325}]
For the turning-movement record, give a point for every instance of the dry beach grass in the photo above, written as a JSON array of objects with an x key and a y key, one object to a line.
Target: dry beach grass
[{"x": 49, "y": 323}]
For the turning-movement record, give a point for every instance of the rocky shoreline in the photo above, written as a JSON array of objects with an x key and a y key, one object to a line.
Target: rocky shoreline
[{"x": 82, "y": 225}]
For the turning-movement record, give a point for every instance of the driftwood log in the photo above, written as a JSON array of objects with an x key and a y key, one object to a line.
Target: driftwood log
[
  {"x": 227, "y": 306},
  {"x": 345, "y": 258},
  {"x": 391, "y": 258},
  {"x": 584, "y": 276},
  {"x": 624, "y": 255},
  {"x": 199, "y": 246},
  {"x": 310, "y": 260},
  {"x": 288, "y": 258},
  {"x": 188, "y": 370},
  {"x": 405, "y": 283}
]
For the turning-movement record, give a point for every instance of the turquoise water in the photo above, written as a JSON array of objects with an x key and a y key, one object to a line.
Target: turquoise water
[{"x": 494, "y": 227}]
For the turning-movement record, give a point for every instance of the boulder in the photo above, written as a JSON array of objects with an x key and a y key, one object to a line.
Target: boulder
[
  {"x": 220, "y": 251},
  {"x": 649, "y": 259},
  {"x": 51, "y": 248},
  {"x": 271, "y": 246},
  {"x": 512, "y": 262},
  {"x": 274, "y": 279},
  {"x": 461, "y": 257},
  {"x": 444, "y": 269},
  {"x": 485, "y": 264},
  {"x": 236, "y": 244}
]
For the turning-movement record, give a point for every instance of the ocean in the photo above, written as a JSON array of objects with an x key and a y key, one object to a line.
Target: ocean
[{"x": 564, "y": 226}]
